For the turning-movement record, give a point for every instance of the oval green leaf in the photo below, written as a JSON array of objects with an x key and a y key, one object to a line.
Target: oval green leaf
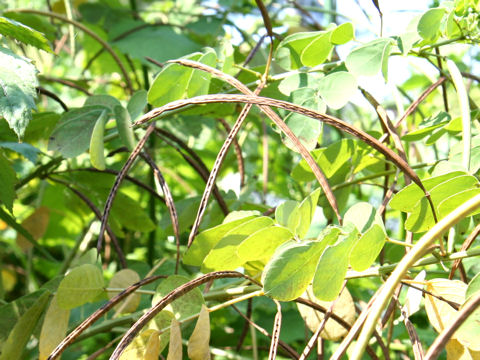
[
  {"x": 337, "y": 88},
  {"x": 369, "y": 59},
  {"x": 81, "y": 285}
]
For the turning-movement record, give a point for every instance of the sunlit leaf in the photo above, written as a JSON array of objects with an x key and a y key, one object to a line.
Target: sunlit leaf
[
  {"x": 145, "y": 346},
  {"x": 262, "y": 243},
  {"x": 317, "y": 51},
  {"x": 198, "y": 344},
  {"x": 344, "y": 308},
  {"x": 369, "y": 59},
  {"x": 81, "y": 285},
  {"x": 429, "y": 24},
  {"x": 337, "y": 88},
  {"x": 342, "y": 34},
  {"x": 367, "y": 248},
  {"x": 175, "y": 348}
]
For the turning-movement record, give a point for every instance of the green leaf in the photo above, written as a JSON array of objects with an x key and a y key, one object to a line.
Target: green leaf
[
  {"x": 18, "y": 78},
  {"x": 224, "y": 256},
  {"x": 289, "y": 50},
  {"x": 297, "y": 81},
  {"x": 124, "y": 123},
  {"x": 72, "y": 135},
  {"x": 161, "y": 43},
  {"x": 36, "y": 22},
  {"x": 136, "y": 104},
  {"x": 452, "y": 202},
  {"x": 473, "y": 287},
  {"x": 135, "y": 218},
  {"x": 206, "y": 240},
  {"x": 337, "y": 88},
  {"x": 317, "y": 51},
  {"x": 332, "y": 267},
  {"x": 121, "y": 280},
  {"x": 306, "y": 210},
  {"x": 429, "y": 24},
  {"x": 187, "y": 305},
  {"x": 7, "y": 183},
  {"x": 23, "y": 329},
  {"x": 81, "y": 285},
  {"x": 452, "y": 29},
  {"x": 363, "y": 216},
  {"x": 262, "y": 244},
  {"x": 305, "y": 128},
  {"x": 199, "y": 82},
  {"x": 199, "y": 342},
  {"x": 287, "y": 214},
  {"x": 406, "y": 198},
  {"x": 23, "y": 33},
  {"x": 366, "y": 250},
  {"x": 291, "y": 269},
  {"x": 28, "y": 151},
  {"x": 428, "y": 126},
  {"x": 330, "y": 160},
  {"x": 421, "y": 219},
  {"x": 369, "y": 59},
  {"x": 97, "y": 155},
  {"x": 342, "y": 34},
  {"x": 54, "y": 329},
  {"x": 107, "y": 101}
]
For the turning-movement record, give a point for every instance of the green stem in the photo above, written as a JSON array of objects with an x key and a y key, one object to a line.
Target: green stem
[{"x": 401, "y": 269}]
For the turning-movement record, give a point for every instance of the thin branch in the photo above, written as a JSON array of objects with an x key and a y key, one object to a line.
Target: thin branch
[
  {"x": 69, "y": 83},
  {"x": 167, "y": 299},
  {"x": 98, "y": 314},
  {"x": 88, "y": 32},
  {"x": 52, "y": 95},
  {"x": 277, "y": 325},
  {"x": 465, "y": 246},
  {"x": 440, "y": 342},
  {"x": 238, "y": 153}
]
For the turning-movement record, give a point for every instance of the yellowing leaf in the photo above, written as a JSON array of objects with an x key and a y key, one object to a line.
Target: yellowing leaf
[
  {"x": 36, "y": 224},
  {"x": 198, "y": 344},
  {"x": 439, "y": 312},
  {"x": 343, "y": 308},
  {"x": 9, "y": 279},
  {"x": 175, "y": 348},
  {"x": 456, "y": 351},
  {"x": 144, "y": 344},
  {"x": 123, "y": 279},
  {"x": 54, "y": 328}
]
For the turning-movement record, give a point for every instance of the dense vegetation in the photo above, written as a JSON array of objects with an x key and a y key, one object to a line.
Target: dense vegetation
[{"x": 238, "y": 180}]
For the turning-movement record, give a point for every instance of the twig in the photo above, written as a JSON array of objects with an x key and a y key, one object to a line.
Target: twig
[{"x": 277, "y": 325}]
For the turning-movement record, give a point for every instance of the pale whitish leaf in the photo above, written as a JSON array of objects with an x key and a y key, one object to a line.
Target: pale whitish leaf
[
  {"x": 81, "y": 285},
  {"x": 369, "y": 59},
  {"x": 54, "y": 328},
  {"x": 175, "y": 347},
  {"x": 473, "y": 286},
  {"x": 121, "y": 280},
  {"x": 414, "y": 296},
  {"x": 344, "y": 308},
  {"x": 18, "y": 82},
  {"x": 439, "y": 312},
  {"x": 198, "y": 344},
  {"x": 143, "y": 346},
  {"x": 337, "y": 88},
  {"x": 429, "y": 24},
  {"x": 7, "y": 183},
  {"x": 21, "y": 332},
  {"x": 36, "y": 224}
]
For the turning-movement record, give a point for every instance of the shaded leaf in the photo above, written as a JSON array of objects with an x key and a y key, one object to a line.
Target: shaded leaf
[
  {"x": 198, "y": 344},
  {"x": 367, "y": 248},
  {"x": 81, "y": 285},
  {"x": 7, "y": 183},
  {"x": 72, "y": 135},
  {"x": 136, "y": 104},
  {"x": 306, "y": 210},
  {"x": 21, "y": 332},
  {"x": 124, "y": 123},
  {"x": 28, "y": 151}
]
